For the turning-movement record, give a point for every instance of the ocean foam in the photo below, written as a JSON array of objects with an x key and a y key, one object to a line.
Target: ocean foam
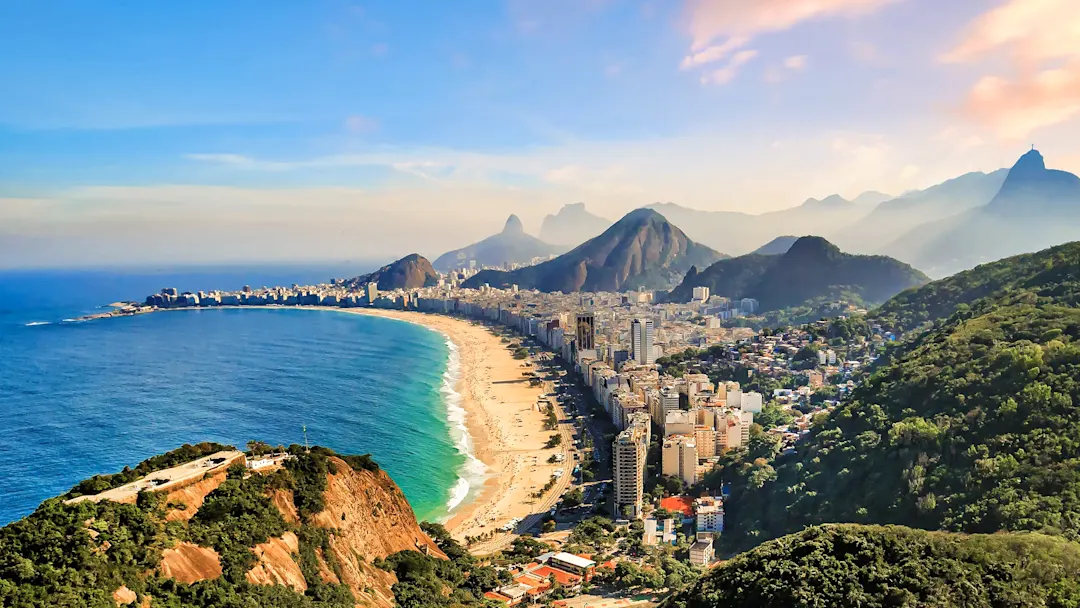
[{"x": 473, "y": 471}]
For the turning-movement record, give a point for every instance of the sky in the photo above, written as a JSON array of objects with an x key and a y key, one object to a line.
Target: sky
[{"x": 272, "y": 130}]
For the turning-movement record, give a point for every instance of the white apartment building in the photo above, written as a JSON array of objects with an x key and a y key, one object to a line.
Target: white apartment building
[
  {"x": 679, "y": 422},
  {"x": 710, "y": 514},
  {"x": 751, "y": 402}
]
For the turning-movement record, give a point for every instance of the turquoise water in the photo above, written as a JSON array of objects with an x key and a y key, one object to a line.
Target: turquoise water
[{"x": 78, "y": 399}]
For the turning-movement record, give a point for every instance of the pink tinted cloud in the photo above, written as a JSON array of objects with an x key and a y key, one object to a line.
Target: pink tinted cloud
[
  {"x": 1013, "y": 109},
  {"x": 708, "y": 20},
  {"x": 1042, "y": 37}
]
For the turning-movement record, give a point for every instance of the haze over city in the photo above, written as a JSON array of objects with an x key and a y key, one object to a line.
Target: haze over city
[{"x": 208, "y": 132}]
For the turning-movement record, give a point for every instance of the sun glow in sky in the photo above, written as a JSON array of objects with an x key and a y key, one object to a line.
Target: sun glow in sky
[{"x": 219, "y": 131}]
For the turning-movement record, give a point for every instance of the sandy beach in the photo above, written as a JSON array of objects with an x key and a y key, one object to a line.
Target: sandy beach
[{"x": 503, "y": 420}]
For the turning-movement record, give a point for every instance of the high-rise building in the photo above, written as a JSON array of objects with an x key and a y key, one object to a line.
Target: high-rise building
[
  {"x": 628, "y": 452},
  {"x": 641, "y": 340},
  {"x": 586, "y": 331},
  {"x": 372, "y": 292},
  {"x": 701, "y": 294},
  {"x": 678, "y": 458}
]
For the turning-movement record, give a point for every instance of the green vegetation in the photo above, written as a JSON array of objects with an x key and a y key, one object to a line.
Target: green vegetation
[
  {"x": 970, "y": 427},
  {"x": 182, "y": 454},
  {"x": 237, "y": 516},
  {"x": 1051, "y": 273},
  {"x": 772, "y": 416},
  {"x": 553, "y": 441},
  {"x": 77, "y": 555},
  {"x": 879, "y": 566},
  {"x": 813, "y": 271},
  {"x": 429, "y": 582}
]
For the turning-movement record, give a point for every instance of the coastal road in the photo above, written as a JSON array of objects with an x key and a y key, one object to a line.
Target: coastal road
[{"x": 550, "y": 499}]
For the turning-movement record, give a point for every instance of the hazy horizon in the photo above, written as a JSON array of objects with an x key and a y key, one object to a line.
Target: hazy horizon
[{"x": 201, "y": 133}]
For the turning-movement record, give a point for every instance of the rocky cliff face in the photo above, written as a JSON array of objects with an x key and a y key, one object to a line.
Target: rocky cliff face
[{"x": 366, "y": 517}]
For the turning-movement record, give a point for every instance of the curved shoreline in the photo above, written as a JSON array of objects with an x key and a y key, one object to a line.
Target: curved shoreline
[{"x": 501, "y": 421}]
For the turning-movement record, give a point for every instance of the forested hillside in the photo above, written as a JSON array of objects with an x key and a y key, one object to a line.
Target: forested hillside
[
  {"x": 878, "y": 566},
  {"x": 971, "y": 427},
  {"x": 1052, "y": 273}
]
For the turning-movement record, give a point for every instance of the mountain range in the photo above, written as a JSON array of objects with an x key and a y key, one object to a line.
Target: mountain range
[
  {"x": 812, "y": 269},
  {"x": 410, "y": 272},
  {"x": 1034, "y": 208},
  {"x": 643, "y": 250},
  {"x": 511, "y": 246},
  {"x": 893, "y": 219},
  {"x": 572, "y": 225},
  {"x": 738, "y": 233}
]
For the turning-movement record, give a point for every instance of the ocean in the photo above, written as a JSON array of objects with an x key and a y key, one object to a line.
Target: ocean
[{"x": 79, "y": 399}]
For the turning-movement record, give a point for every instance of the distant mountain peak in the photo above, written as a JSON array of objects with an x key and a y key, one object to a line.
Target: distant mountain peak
[
  {"x": 833, "y": 200},
  {"x": 1030, "y": 161},
  {"x": 812, "y": 246},
  {"x": 572, "y": 225},
  {"x": 641, "y": 215},
  {"x": 513, "y": 225},
  {"x": 643, "y": 250}
]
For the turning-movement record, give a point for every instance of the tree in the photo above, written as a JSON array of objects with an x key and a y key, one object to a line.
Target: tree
[{"x": 573, "y": 498}]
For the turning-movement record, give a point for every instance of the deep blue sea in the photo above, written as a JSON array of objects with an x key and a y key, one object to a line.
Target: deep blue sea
[{"x": 77, "y": 399}]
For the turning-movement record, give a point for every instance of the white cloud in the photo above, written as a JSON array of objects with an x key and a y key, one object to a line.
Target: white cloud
[
  {"x": 735, "y": 23},
  {"x": 909, "y": 171},
  {"x": 713, "y": 53},
  {"x": 725, "y": 74}
]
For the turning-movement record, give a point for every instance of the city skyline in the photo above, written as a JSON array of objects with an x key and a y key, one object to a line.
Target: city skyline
[{"x": 199, "y": 133}]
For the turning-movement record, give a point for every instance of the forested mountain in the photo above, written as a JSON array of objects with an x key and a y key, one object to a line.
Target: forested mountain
[
  {"x": 410, "y": 272},
  {"x": 511, "y": 246},
  {"x": 879, "y": 566},
  {"x": 1051, "y": 273},
  {"x": 572, "y": 225},
  {"x": 970, "y": 427},
  {"x": 811, "y": 269},
  {"x": 641, "y": 251}
]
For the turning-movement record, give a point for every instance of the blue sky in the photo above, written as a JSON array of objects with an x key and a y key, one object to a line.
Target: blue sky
[{"x": 155, "y": 126}]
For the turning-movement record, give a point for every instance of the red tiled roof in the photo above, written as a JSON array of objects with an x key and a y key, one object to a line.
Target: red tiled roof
[
  {"x": 563, "y": 578},
  {"x": 682, "y": 504},
  {"x": 498, "y": 597}
]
